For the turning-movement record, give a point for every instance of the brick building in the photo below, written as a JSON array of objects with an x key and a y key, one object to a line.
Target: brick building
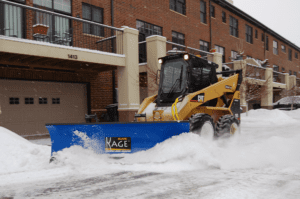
[{"x": 36, "y": 74}]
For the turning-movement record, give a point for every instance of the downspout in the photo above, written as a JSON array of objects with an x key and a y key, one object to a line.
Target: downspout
[
  {"x": 210, "y": 33},
  {"x": 112, "y": 44}
]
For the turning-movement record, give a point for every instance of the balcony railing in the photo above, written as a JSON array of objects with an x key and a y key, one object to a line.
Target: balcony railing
[
  {"x": 278, "y": 77},
  {"x": 21, "y": 21},
  {"x": 255, "y": 72}
]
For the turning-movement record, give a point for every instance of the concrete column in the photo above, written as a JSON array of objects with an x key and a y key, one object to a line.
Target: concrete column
[
  {"x": 267, "y": 97},
  {"x": 156, "y": 48},
  {"x": 128, "y": 77},
  {"x": 216, "y": 58},
  {"x": 287, "y": 81},
  {"x": 292, "y": 81},
  {"x": 237, "y": 65}
]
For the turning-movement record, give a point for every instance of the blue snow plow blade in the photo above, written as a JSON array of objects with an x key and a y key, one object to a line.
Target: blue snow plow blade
[{"x": 112, "y": 138}]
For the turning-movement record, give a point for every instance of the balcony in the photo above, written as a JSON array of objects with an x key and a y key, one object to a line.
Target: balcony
[{"x": 34, "y": 33}]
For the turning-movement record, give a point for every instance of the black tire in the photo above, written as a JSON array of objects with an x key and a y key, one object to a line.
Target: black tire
[
  {"x": 198, "y": 120},
  {"x": 227, "y": 125}
]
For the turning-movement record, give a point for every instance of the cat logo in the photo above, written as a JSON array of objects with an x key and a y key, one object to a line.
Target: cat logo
[{"x": 200, "y": 98}]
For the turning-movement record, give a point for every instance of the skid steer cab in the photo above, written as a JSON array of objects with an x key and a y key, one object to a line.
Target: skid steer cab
[{"x": 189, "y": 90}]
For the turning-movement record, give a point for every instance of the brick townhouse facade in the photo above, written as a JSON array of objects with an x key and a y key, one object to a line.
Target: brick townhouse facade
[{"x": 200, "y": 24}]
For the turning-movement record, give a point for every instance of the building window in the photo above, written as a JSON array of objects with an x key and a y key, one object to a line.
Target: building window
[
  {"x": 224, "y": 17},
  {"x": 43, "y": 100},
  {"x": 203, "y": 11},
  {"x": 212, "y": 11},
  {"x": 283, "y": 49},
  {"x": 290, "y": 72},
  {"x": 296, "y": 55},
  {"x": 233, "y": 55},
  {"x": 282, "y": 69},
  {"x": 290, "y": 54},
  {"x": 29, "y": 100},
  {"x": 94, "y": 14},
  {"x": 275, "y": 68},
  {"x": 179, "y": 39},
  {"x": 55, "y": 100},
  {"x": 256, "y": 34},
  {"x": 204, "y": 46},
  {"x": 233, "y": 22},
  {"x": 145, "y": 30},
  {"x": 267, "y": 43},
  {"x": 59, "y": 5},
  {"x": 14, "y": 100},
  {"x": 249, "y": 34},
  {"x": 222, "y": 51},
  {"x": 275, "y": 47},
  {"x": 178, "y": 6},
  {"x": 262, "y": 37},
  {"x": 295, "y": 73}
]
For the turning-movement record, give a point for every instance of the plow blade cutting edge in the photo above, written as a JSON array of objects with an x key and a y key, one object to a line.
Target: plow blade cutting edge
[{"x": 111, "y": 138}]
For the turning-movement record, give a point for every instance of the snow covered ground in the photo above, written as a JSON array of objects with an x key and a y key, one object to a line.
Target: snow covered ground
[{"x": 261, "y": 162}]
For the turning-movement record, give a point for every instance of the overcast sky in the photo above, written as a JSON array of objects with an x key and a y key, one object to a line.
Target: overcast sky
[{"x": 281, "y": 16}]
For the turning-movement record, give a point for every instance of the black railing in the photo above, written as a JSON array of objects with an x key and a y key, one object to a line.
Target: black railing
[
  {"x": 22, "y": 21},
  {"x": 278, "y": 77}
]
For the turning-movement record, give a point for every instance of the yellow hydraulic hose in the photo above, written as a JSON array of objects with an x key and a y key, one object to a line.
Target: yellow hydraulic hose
[{"x": 175, "y": 113}]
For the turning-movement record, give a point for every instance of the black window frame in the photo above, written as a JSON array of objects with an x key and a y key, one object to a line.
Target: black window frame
[
  {"x": 43, "y": 100},
  {"x": 296, "y": 55},
  {"x": 203, "y": 12},
  {"x": 204, "y": 47},
  {"x": 234, "y": 26},
  {"x": 143, "y": 34},
  {"x": 14, "y": 100},
  {"x": 90, "y": 28},
  {"x": 223, "y": 55},
  {"x": 53, "y": 9},
  {"x": 290, "y": 72},
  {"x": 275, "y": 50},
  {"x": 29, "y": 100},
  {"x": 256, "y": 34},
  {"x": 249, "y": 34},
  {"x": 212, "y": 11},
  {"x": 276, "y": 68},
  {"x": 223, "y": 17},
  {"x": 56, "y": 100},
  {"x": 262, "y": 37},
  {"x": 178, "y": 40},
  {"x": 233, "y": 52},
  {"x": 295, "y": 73},
  {"x": 283, "y": 49},
  {"x": 178, "y": 6},
  {"x": 290, "y": 54},
  {"x": 282, "y": 69}
]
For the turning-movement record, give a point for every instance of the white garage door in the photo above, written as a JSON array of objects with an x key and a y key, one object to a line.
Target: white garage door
[{"x": 28, "y": 105}]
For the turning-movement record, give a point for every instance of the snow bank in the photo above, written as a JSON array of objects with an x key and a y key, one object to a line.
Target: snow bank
[
  {"x": 18, "y": 154},
  {"x": 268, "y": 117}
]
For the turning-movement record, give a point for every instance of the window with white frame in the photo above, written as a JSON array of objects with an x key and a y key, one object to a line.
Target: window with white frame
[{"x": 275, "y": 47}]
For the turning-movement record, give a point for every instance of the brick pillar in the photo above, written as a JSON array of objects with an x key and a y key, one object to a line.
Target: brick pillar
[
  {"x": 128, "y": 77},
  {"x": 156, "y": 48},
  {"x": 267, "y": 97}
]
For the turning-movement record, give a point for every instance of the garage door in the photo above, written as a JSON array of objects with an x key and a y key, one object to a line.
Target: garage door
[{"x": 28, "y": 105}]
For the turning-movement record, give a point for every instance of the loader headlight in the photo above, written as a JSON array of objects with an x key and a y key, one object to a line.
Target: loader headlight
[
  {"x": 160, "y": 61},
  {"x": 186, "y": 57}
]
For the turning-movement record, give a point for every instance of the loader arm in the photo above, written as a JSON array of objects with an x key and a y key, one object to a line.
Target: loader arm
[{"x": 198, "y": 98}]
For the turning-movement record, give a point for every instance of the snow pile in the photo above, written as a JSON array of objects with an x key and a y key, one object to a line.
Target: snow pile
[
  {"x": 18, "y": 154},
  {"x": 268, "y": 117}
]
